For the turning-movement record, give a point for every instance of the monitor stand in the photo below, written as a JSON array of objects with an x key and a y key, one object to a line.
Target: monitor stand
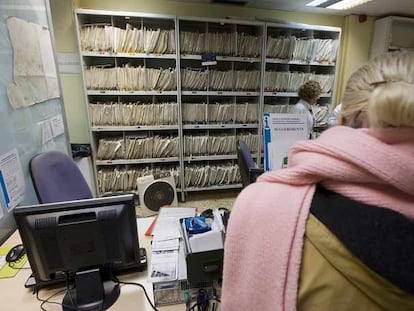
[
  {"x": 140, "y": 266},
  {"x": 90, "y": 292}
]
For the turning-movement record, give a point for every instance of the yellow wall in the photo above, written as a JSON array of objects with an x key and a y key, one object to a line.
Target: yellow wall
[
  {"x": 356, "y": 46},
  {"x": 355, "y": 41},
  {"x": 73, "y": 96}
]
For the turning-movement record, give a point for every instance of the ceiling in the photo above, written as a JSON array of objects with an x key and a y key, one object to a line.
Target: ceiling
[{"x": 374, "y": 8}]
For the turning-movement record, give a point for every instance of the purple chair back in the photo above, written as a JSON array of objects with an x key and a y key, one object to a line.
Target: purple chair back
[{"x": 56, "y": 178}]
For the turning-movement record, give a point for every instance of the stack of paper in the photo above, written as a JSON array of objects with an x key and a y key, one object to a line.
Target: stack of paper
[
  {"x": 194, "y": 112},
  {"x": 194, "y": 79},
  {"x": 248, "y": 45},
  {"x": 220, "y": 112},
  {"x": 247, "y": 113},
  {"x": 166, "y": 243}
]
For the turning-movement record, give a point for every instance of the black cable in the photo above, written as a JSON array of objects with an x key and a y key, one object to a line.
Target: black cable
[
  {"x": 44, "y": 301},
  {"x": 11, "y": 265},
  {"x": 69, "y": 292},
  {"x": 47, "y": 300},
  {"x": 143, "y": 288}
]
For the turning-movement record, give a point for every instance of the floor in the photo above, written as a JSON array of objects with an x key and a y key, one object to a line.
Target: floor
[
  {"x": 211, "y": 199},
  {"x": 207, "y": 199}
]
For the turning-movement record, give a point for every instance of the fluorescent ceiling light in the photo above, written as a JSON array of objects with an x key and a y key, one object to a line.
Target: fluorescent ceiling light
[
  {"x": 336, "y": 4},
  {"x": 347, "y": 4},
  {"x": 316, "y": 2}
]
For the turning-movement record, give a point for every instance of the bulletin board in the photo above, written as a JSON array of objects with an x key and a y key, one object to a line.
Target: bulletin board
[{"x": 31, "y": 108}]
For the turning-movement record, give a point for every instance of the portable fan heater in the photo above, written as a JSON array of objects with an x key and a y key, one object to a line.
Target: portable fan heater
[{"x": 156, "y": 191}]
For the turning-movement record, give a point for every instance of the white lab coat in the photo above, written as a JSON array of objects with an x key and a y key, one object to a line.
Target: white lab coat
[{"x": 303, "y": 106}]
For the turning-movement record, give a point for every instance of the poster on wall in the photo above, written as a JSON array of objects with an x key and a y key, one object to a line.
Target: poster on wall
[
  {"x": 35, "y": 75},
  {"x": 12, "y": 183},
  {"x": 280, "y": 131}
]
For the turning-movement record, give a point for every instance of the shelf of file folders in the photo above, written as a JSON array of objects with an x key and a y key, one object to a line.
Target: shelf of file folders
[
  {"x": 217, "y": 175},
  {"x": 283, "y": 49},
  {"x": 197, "y": 177},
  {"x": 186, "y": 256},
  {"x": 123, "y": 178},
  {"x": 200, "y": 80},
  {"x": 108, "y": 115},
  {"x": 137, "y": 149},
  {"x": 297, "y": 50},
  {"x": 101, "y": 39},
  {"x": 281, "y": 83},
  {"x": 216, "y": 146},
  {"x": 129, "y": 80},
  {"x": 238, "y": 44},
  {"x": 219, "y": 114}
]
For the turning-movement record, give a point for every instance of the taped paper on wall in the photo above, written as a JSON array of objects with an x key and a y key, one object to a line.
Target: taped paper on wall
[
  {"x": 35, "y": 75},
  {"x": 12, "y": 182},
  {"x": 47, "y": 136},
  {"x": 56, "y": 123}
]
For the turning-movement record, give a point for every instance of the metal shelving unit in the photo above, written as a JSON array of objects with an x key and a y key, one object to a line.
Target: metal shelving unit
[
  {"x": 236, "y": 47},
  {"x": 296, "y": 53},
  {"x": 212, "y": 105},
  {"x": 126, "y": 42},
  {"x": 392, "y": 33}
]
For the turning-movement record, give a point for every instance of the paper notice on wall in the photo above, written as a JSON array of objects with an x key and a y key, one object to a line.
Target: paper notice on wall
[
  {"x": 47, "y": 136},
  {"x": 35, "y": 75},
  {"x": 57, "y": 126},
  {"x": 281, "y": 131},
  {"x": 12, "y": 182}
]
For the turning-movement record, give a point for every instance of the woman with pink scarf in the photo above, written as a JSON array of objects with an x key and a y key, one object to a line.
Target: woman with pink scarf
[{"x": 334, "y": 230}]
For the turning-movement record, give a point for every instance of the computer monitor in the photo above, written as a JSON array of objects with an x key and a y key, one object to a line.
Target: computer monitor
[{"x": 86, "y": 240}]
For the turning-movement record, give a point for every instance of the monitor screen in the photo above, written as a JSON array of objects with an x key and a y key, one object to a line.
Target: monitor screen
[{"x": 78, "y": 238}]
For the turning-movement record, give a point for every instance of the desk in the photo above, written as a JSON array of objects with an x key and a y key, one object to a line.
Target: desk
[{"x": 15, "y": 297}]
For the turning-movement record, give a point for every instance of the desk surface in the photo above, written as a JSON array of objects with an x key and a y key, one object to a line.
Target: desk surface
[{"x": 16, "y": 297}]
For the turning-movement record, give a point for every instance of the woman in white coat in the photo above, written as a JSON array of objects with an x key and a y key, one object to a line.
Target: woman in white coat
[{"x": 308, "y": 93}]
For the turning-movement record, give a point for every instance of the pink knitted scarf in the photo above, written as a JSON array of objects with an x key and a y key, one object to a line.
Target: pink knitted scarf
[{"x": 265, "y": 235}]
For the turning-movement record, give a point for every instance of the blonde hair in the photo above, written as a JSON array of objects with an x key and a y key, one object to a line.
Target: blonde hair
[
  {"x": 310, "y": 91},
  {"x": 381, "y": 93}
]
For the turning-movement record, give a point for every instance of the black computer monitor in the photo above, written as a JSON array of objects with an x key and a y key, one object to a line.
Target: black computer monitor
[{"x": 86, "y": 240}]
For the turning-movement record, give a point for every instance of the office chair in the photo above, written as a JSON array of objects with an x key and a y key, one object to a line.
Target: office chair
[
  {"x": 56, "y": 178},
  {"x": 248, "y": 169}
]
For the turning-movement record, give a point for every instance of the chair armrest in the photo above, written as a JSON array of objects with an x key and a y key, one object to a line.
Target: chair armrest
[
  {"x": 256, "y": 170},
  {"x": 254, "y": 173}
]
